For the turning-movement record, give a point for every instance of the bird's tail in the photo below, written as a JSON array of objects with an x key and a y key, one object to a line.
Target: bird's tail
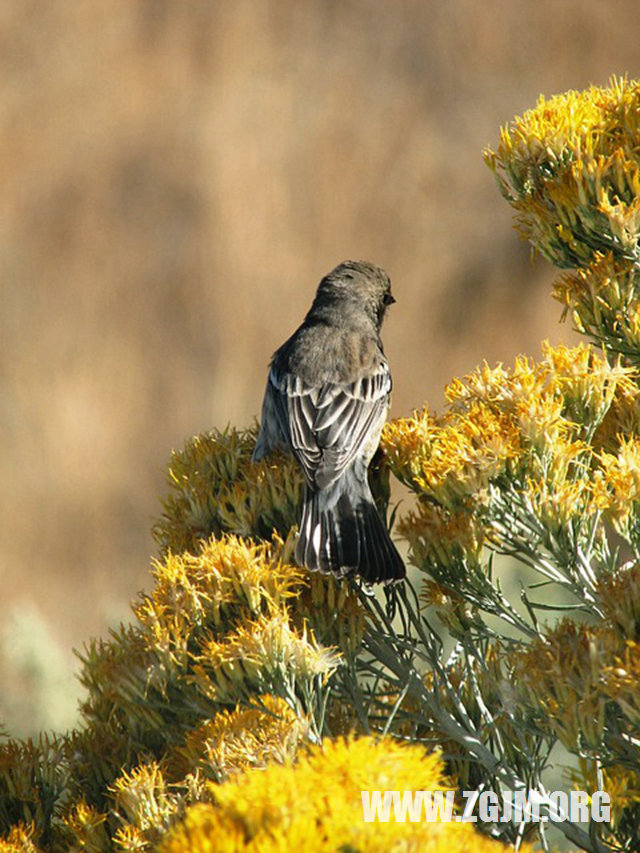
[{"x": 342, "y": 533}]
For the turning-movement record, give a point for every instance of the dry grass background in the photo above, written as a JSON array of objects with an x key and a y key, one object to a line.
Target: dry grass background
[{"x": 176, "y": 177}]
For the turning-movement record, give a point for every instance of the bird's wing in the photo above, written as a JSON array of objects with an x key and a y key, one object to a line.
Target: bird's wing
[
  {"x": 273, "y": 432},
  {"x": 330, "y": 425}
]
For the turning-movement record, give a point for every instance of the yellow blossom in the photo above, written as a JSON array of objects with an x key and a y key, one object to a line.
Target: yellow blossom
[
  {"x": 570, "y": 169},
  {"x": 557, "y": 502},
  {"x": 438, "y": 537},
  {"x": 258, "y": 654},
  {"x": 334, "y": 610},
  {"x": 143, "y": 798},
  {"x": 622, "y": 682},
  {"x": 464, "y": 453},
  {"x": 405, "y": 443},
  {"x": 20, "y": 839},
  {"x": 619, "y": 491},
  {"x": 523, "y": 432},
  {"x": 619, "y": 597},
  {"x": 316, "y": 805},
  {"x": 215, "y": 489},
  {"x": 234, "y": 741},
  {"x": 586, "y": 381},
  {"x": 564, "y": 675},
  {"x": 227, "y": 579},
  {"x": 88, "y": 826},
  {"x": 620, "y": 783},
  {"x": 130, "y": 839}
]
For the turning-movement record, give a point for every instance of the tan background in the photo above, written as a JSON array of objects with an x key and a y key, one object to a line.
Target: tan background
[{"x": 176, "y": 177}]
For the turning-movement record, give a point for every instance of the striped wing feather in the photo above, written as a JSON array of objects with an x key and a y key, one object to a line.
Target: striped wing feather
[{"x": 331, "y": 425}]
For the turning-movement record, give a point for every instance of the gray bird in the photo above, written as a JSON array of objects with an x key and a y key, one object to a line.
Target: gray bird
[{"x": 326, "y": 399}]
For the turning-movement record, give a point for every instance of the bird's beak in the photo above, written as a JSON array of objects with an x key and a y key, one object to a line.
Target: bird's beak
[{"x": 388, "y": 299}]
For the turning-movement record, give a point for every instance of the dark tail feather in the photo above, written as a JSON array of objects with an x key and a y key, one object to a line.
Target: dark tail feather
[{"x": 341, "y": 533}]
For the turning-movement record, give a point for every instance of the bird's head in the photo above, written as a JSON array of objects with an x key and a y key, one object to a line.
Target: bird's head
[{"x": 357, "y": 285}]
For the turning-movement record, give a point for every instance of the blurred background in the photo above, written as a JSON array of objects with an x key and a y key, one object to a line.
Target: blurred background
[{"x": 176, "y": 178}]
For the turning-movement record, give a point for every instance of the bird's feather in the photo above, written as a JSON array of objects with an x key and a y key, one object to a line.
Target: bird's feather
[{"x": 330, "y": 426}]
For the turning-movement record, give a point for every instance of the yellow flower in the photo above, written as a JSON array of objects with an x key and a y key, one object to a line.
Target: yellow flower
[
  {"x": 604, "y": 300},
  {"x": 88, "y": 826},
  {"x": 563, "y": 674},
  {"x": 316, "y": 805},
  {"x": 558, "y": 500},
  {"x": 570, "y": 169},
  {"x": 512, "y": 442},
  {"x": 440, "y": 538},
  {"x": 619, "y": 491},
  {"x": 622, "y": 682},
  {"x": 585, "y": 381},
  {"x": 258, "y": 655},
  {"x": 405, "y": 443},
  {"x": 465, "y": 452},
  {"x": 130, "y": 839},
  {"x": 205, "y": 829},
  {"x": 20, "y": 839},
  {"x": 540, "y": 422},
  {"x": 234, "y": 741},
  {"x": 227, "y": 580},
  {"x": 143, "y": 799},
  {"x": 334, "y": 610},
  {"x": 619, "y": 597},
  {"x": 215, "y": 489},
  {"x": 620, "y": 783}
]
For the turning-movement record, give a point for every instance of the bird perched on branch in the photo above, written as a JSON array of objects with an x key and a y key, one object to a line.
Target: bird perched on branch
[{"x": 326, "y": 400}]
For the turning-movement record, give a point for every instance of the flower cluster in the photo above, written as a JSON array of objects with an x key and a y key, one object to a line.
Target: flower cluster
[
  {"x": 571, "y": 169},
  {"x": 316, "y": 805},
  {"x": 217, "y": 674},
  {"x": 619, "y": 599},
  {"x": 215, "y": 489},
  {"x": 517, "y": 461},
  {"x": 564, "y": 674},
  {"x": 603, "y": 299},
  {"x": 235, "y": 741}
]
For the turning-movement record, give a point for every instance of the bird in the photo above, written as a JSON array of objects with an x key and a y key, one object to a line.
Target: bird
[{"x": 326, "y": 400}]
